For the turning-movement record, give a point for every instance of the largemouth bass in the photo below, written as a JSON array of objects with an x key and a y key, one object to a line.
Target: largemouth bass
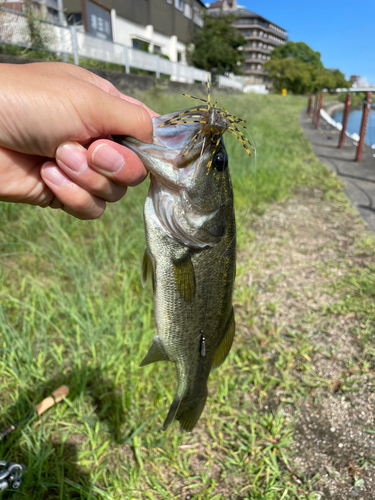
[{"x": 191, "y": 248}]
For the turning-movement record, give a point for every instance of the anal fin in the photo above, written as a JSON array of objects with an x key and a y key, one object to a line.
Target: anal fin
[
  {"x": 155, "y": 353},
  {"x": 226, "y": 342}
]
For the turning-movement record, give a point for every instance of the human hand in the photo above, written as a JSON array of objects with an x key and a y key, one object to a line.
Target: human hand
[{"x": 55, "y": 124}]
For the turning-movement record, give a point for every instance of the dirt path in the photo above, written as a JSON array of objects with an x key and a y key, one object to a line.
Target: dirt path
[{"x": 302, "y": 247}]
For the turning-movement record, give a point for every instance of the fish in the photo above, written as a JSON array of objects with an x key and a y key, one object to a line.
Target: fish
[{"x": 190, "y": 254}]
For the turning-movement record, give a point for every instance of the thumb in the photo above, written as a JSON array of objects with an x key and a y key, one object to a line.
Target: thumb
[{"x": 107, "y": 114}]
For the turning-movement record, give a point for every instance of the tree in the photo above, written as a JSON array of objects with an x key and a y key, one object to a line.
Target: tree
[
  {"x": 298, "y": 68},
  {"x": 291, "y": 74},
  {"x": 330, "y": 79},
  {"x": 300, "y": 51},
  {"x": 217, "y": 46}
]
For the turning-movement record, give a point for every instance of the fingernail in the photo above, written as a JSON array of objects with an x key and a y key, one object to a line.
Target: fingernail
[
  {"x": 72, "y": 156},
  {"x": 107, "y": 159},
  {"x": 53, "y": 174}
]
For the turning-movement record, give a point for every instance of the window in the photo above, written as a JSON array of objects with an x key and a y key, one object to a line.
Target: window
[
  {"x": 140, "y": 44},
  {"x": 187, "y": 11},
  {"x": 197, "y": 18},
  {"x": 74, "y": 19},
  {"x": 157, "y": 49},
  {"x": 179, "y": 4},
  {"x": 179, "y": 56}
]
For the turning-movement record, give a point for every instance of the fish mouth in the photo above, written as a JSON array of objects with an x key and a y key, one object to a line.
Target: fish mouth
[
  {"x": 191, "y": 129},
  {"x": 183, "y": 144},
  {"x": 176, "y": 147}
]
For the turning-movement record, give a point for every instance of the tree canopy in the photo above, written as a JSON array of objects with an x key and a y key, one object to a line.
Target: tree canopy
[
  {"x": 299, "y": 51},
  {"x": 298, "y": 68},
  {"x": 217, "y": 46}
]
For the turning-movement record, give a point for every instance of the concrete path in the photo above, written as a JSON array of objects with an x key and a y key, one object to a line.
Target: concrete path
[{"x": 358, "y": 178}]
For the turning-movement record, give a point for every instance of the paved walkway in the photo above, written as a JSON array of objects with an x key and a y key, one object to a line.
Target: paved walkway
[{"x": 358, "y": 178}]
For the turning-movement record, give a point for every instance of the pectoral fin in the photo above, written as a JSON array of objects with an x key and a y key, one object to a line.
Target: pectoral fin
[
  {"x": 147, "y": 269},
  {"x": 185, "y": 277},
  {"x": 226, "y": 342},
  {"x": 155, "y": 353}
]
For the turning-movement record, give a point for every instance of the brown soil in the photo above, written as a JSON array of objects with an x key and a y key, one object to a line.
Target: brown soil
[{"x": 302, "y": 245}]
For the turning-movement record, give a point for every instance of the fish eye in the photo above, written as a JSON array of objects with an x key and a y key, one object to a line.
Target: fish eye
[{"x": 220, "y": 161}]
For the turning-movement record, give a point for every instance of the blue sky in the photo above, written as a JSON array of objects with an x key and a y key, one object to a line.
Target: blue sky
[{"x": 343, "y": 31}]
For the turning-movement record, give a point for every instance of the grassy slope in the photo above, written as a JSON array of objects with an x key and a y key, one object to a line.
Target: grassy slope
[{"x": 73, "y": 310}]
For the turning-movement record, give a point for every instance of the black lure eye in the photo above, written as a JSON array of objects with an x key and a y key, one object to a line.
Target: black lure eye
[{"x": 220, "y": 161}]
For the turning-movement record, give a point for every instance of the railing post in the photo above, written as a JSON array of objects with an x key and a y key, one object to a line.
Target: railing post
[
  {"x": 362, "y": 134},
  {"x": 317, "y": 123},
  {"x": 157, "y": 66},
  {"x": 127, "y": 65},
  {"x": 309, "y": 105},
  {"x": 60, "y": 8},
  {"x": 345, "y": 119},
  {"x": 73, "y": 34},
  {"x": 315, "y": 108}
]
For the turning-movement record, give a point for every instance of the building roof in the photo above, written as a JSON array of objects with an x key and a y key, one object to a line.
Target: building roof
[
  {"x": 241, "y": 12},
  {"x": 247, "y": 13}
]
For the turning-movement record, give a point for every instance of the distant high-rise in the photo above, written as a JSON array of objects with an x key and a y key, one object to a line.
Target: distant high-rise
[
  {"x": 355, "y": 78},
  {"x": 262, "y": 37}
]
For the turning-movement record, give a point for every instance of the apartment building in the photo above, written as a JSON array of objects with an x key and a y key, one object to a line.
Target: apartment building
[
  {"x": 164, "y": 27},
  {"x": 262, "y": 36}
]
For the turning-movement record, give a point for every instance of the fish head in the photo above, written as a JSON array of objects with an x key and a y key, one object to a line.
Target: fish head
[
  {"x": 190, "y": 180},
  {"x": 187, "y": 150}
]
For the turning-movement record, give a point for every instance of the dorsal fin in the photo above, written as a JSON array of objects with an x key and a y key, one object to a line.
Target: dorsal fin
[
  {"x": 155, "y": 353},
  {"x": 226, "y": 342}
]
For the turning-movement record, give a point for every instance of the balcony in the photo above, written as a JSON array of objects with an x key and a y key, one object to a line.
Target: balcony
[
  {"x": 249, "y": 21},
  {"x": 276, "y": 42},
  {"x": 275, "y": 30},
  {"x": 261, "y": 38},
  {"x": 256, "y": 48},
  {"x": 248, "y": 34},
  {"x": 249, "y": 71}
]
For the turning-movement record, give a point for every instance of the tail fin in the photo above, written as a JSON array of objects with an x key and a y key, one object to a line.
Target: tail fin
[{"x": 186, "y": 410}]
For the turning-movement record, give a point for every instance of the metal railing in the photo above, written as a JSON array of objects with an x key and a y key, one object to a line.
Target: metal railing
[
  {"x": 73, "y": 41},
  {"x": 234, "y": 82}
]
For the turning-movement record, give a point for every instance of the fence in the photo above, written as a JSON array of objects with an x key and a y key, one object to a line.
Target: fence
[{"x": 73, "y": 41}]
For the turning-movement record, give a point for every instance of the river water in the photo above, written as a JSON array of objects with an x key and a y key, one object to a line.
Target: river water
[{"x": 354, "y": 123}]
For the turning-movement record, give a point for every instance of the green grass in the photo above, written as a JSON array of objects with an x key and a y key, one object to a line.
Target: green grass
[
  {"x": 72, "y": 310},
  {"x": 355, "y": 295}
]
